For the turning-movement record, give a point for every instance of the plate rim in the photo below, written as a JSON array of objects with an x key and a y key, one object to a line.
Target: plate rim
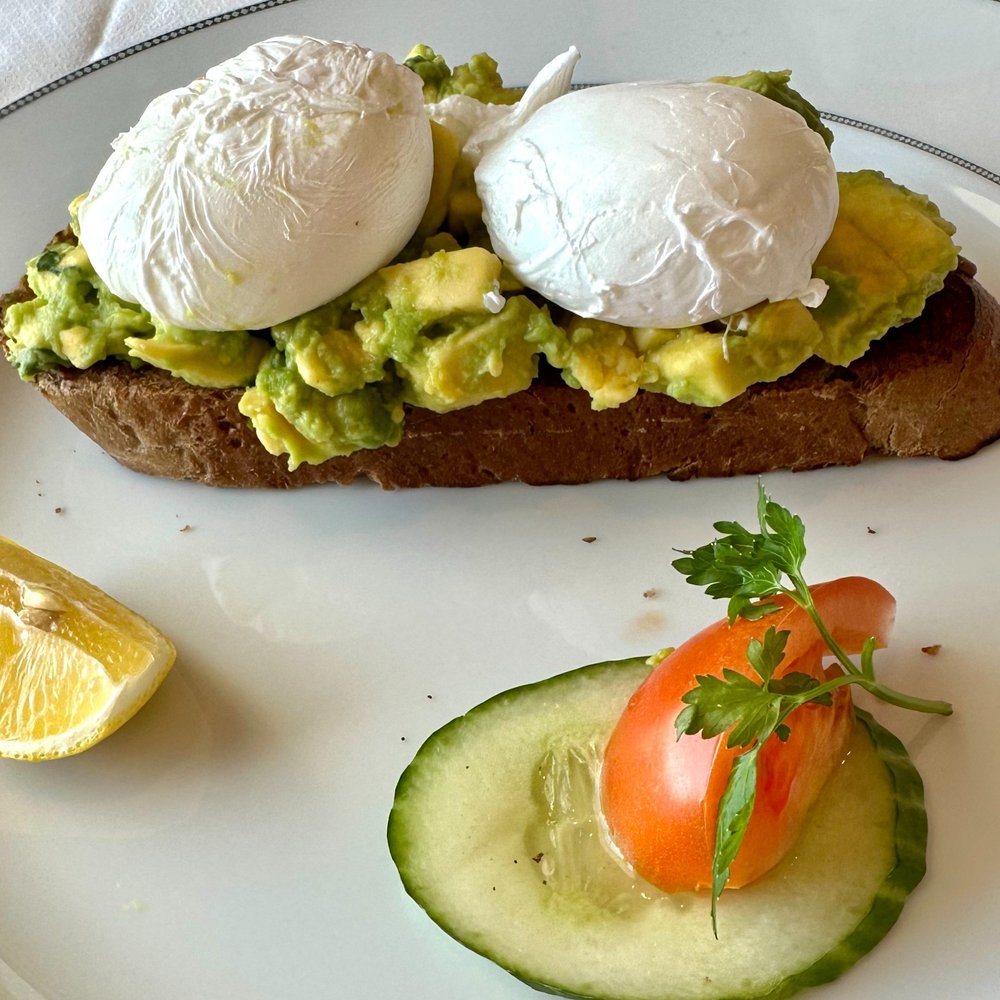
[{"x": 114, "y": 57}]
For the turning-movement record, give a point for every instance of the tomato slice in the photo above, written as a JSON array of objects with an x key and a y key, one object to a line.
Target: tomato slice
[{"x": 660, "y": 795}]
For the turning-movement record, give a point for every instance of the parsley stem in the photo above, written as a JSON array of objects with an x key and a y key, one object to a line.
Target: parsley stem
[
  {"x": 880, "y": 691},
  {"x": 803, "y": 597},
  {"x": 852, "y": 674}
]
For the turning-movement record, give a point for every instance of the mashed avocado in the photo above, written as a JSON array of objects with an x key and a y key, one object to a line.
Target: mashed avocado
[
  {"x": 75, "y": 320},
  {"x": 433, "y": 332},
  {"x": 477, "y": 78},
  {"x": 293, "y": 418},
  {"x": 694, "y": 364},
  {"x": 446, "y": 326}
]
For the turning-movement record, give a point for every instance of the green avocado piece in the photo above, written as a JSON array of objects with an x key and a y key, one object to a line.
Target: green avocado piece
[
  {"x": 215, "y": 359},
  {"x": 327, "y": 351},
  {"x": 599, "y": 357},
  {"x": 890, "y": 249},
  {"x": 488, "y": 359},
  {"x": 454, "y": 202},
  {"x": 774, "y": 85},
  {"x": 446, "y": 154},
  {"x": 73, "y": 319},
  {"x": 454, "y": 339},
  {"x": 434, "y": 332},
  {"x": 693, "y": 364},
  {"x": 444, "y": 283},
  {"x": 400, "y": 302},
  {"x": 293, "y": 418},
  {"x": 709, "y": 368},
  {"x": 476, "y": 78}
]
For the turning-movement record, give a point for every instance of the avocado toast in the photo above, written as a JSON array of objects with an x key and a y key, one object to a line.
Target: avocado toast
[{"x": 442, "y": 368}]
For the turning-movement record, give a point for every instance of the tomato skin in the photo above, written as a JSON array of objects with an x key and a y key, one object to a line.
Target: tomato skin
[{"x": 660, "y": 795}]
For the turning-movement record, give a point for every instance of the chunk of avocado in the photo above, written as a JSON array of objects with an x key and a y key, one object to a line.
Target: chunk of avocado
[
  {"x": 889, "y": 250},
  {"x": 601, "y": 358},
  {"x": 293, "y": 418},
  {"x": 478, "y": 78},
  {"x": 434, "y": 332},
  {"x": 709, "y": 368},
  {"x": 213, "y": 359},
  {"x": 488, "y": 359},
  {"x": 325, "y": 348},
  {"x": 444, "y": 283},
  {"x": 399, "y": 303},
  {"x": 73, "y": 319},
  {"x": 692, "y": 364}
]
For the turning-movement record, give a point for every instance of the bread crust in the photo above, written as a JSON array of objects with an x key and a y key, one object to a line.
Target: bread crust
[{"x": 929, "y": 388}]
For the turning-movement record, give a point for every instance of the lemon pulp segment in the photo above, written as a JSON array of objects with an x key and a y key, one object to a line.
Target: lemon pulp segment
[{"x": 74, "y": 663}]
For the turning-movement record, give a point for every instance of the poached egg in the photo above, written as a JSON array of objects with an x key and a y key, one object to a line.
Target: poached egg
[
  {"x": 277, "y": 181},
  {"x": 661, "y": 204}
]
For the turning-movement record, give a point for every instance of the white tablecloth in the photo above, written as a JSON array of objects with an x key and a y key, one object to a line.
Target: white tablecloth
[{"x": 44, "y": 40}]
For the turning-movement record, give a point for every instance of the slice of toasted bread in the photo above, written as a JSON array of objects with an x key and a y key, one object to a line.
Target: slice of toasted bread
[{"x": 931, "y": 388}]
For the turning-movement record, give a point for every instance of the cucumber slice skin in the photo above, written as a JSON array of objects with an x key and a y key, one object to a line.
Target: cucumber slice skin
[
  {"x": 910, "y": 836},
  {"x": 906, "y": 874}
]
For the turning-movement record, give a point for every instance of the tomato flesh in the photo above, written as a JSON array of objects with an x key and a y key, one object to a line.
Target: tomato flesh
[{"x": 660, "y": 795}]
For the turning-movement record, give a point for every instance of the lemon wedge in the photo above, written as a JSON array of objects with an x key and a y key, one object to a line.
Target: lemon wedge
[{"x": 74, "y": 663}]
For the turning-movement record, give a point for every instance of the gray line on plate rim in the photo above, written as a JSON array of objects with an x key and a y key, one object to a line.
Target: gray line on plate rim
[
  {"x": 925, "y": 147},
  {"x": 114, "y": 57}
]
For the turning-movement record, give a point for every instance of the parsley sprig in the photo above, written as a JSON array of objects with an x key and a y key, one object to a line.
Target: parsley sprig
[{"x": 748, "y": 568}]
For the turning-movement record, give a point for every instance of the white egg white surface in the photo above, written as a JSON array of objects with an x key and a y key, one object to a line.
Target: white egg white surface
[
  {"x": 661, "y": 204},
  {"x": 477, "y": 125},
  {"x": 267, "y": 187}
]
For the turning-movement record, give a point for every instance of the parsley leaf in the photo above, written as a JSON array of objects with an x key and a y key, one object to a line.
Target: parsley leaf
[
  {"x": 744, "y": 566},
  {"x": 748, "y": 568},
  {"x": 731, "y": 702},
  {"x": 735, "y": 808},
  {"x": 765, "y": 656}
]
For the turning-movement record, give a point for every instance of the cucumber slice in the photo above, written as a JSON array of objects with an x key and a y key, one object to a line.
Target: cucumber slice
[{"x": 495, "y": 834}]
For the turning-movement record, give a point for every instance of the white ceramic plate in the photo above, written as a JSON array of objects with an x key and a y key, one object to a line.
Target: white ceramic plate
[{"x": 229, "y": 842}]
